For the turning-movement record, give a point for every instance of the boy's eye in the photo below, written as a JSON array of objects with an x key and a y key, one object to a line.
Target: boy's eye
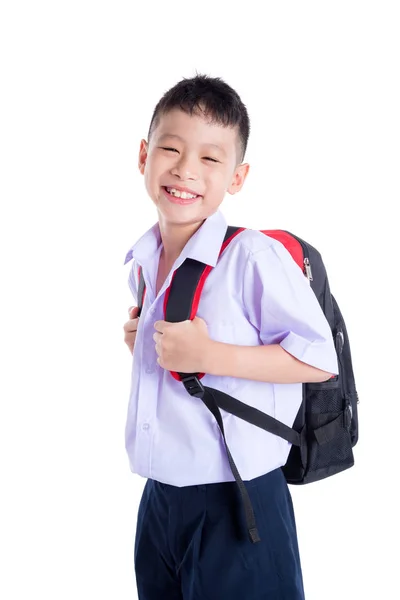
[{"x": 168, "y": 148}]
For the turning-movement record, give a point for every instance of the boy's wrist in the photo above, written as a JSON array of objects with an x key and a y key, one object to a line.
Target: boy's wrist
[{"x": 217, "y": 356}]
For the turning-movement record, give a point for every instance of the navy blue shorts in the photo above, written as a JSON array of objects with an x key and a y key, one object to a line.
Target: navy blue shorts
[{"x": 192, "y": 543}]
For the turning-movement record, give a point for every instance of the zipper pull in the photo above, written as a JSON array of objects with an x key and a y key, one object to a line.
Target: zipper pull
[
  {"x": 339, "y": 342},
  {"x": 307, "y": 267}
]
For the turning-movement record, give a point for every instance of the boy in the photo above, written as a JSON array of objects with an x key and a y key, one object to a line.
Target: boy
[{"x": 258, "y": 334}]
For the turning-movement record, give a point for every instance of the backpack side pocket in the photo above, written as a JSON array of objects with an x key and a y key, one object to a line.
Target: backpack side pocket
[{"x": 328, "y": 418}]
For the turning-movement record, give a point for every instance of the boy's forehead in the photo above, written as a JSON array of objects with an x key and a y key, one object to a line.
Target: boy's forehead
[{"x": 188, "y": 128}]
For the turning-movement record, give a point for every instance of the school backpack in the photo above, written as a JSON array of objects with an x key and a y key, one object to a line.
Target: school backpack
[{"x": 326, "y": 426}]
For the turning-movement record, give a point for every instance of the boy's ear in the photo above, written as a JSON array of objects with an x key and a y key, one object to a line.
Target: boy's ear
[
  {"x": 143, "y": 155},
  {"x": 239, "y": 178}
]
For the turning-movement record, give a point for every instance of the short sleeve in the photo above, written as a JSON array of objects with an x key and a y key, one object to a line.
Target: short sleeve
[
  {"x": 282, "y": 306},
  {"x": 133, "y": 281}
]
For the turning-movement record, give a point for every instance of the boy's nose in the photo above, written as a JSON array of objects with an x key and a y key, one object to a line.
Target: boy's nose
[{"x": 184, "y": 170}]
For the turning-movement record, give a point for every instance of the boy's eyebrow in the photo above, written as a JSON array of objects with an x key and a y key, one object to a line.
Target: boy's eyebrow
[{"x": 178, "y": 137}]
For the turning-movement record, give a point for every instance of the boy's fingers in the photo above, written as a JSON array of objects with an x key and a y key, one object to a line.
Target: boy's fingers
[
  {"x": 133, "y": 312},
  {"x": 131, "y": 325},
  {"x": 135, "y": 323}
]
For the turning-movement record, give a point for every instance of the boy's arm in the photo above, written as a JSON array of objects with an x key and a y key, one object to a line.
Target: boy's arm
[
  {"x": 296, "y": 340},
  {"x": 260, "y": 363}
]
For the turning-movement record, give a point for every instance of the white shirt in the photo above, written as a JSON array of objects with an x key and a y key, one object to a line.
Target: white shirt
[{"x": 255, "y": 294}]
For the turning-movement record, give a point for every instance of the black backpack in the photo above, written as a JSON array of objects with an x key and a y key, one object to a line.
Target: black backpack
[{"x": 326, "y": 426}]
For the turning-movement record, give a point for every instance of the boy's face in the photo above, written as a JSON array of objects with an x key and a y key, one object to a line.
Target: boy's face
[{"x": 188, "y": 156}]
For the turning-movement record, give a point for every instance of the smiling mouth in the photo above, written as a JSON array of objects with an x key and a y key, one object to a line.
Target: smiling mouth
[
  {"x": 180, "y": 196},
  {"x": 184, "y": 194}
]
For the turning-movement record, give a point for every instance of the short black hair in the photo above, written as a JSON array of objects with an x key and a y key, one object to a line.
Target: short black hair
[{"x": 210, "y": 96}]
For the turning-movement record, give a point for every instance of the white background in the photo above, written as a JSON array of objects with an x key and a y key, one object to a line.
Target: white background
[{"x": 79, "y": 81}]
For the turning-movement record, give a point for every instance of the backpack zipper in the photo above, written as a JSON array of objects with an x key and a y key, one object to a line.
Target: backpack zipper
[
  {"x": 307, "y": 267},
  {"x": 306, "y": 260}
]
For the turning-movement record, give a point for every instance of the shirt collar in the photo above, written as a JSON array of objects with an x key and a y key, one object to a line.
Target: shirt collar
[
  {"x": 204, "y": 246},
  {"x": 145, "y": 247}
]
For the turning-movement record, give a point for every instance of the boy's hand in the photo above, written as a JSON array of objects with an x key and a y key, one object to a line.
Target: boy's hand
[
  {"x": 130, "y": 327},
  {"x": 182, "y": 347}
]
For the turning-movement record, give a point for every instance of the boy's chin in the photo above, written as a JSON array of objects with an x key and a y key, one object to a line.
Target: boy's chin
[{"x": 182, "y": 215}]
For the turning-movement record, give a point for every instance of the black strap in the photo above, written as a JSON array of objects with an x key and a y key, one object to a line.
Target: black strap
[
  {"x": 210, "y": 401},
  {"x": 141, "y": 290},
  {"x": 256, "y": 417},
  {"x": 183, "y": 286},
  {"x": 208, "y": 396},
  {"x": 214, "y": 400}
]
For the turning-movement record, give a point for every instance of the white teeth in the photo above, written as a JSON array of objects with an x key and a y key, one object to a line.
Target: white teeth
[{"x": 179, "y": 194}]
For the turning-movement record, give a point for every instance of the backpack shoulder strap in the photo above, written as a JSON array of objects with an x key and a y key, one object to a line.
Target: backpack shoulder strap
[
  {"x": 183, "y": 295},
  {"x": 141, "y": 290}
]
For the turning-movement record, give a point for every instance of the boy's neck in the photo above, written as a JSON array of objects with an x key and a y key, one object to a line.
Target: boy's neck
[{"x": 174, "y": 239}]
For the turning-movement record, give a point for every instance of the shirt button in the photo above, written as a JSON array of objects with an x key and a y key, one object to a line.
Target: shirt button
[
  {"x": 150, "y": 369},
  {"x": 145, "y": 426}
]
